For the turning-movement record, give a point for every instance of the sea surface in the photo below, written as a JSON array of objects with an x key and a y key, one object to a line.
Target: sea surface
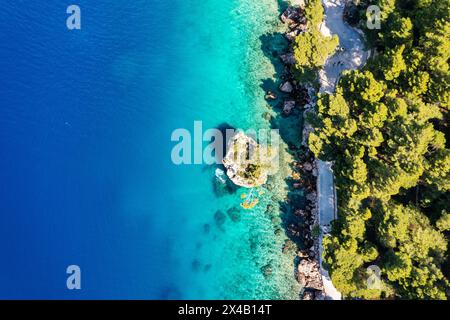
[{"x": 86, "y": 176}]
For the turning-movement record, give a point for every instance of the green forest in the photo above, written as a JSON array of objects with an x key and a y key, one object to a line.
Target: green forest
[{"x": 386, "y": 130}]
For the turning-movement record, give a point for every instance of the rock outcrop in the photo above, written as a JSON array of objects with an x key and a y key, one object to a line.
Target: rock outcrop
[
  {"x": 248, "y": 164},
  {"x": 290, "y": 15},
  {"x": 309, "y": 275},
  {"x": 293, "y": 16},
  {"x": 302, "y": 97},
  {"x": 288, "y": 107},
  {"x": 286, "y": 87}
]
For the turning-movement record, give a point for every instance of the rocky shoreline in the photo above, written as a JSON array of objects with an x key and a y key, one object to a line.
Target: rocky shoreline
[{"x": 300, "y": 97}]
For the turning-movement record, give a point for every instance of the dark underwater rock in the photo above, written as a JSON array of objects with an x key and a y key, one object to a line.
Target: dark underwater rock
[
  {"x": 289, "y": 246},
  {"x": 219, "y": 218},
  {"x": 195, "y": 265},
  {"x": 266, "y": 270},
  {"x": 207, "y": 267},
  {"x": 234, "y": 214}
]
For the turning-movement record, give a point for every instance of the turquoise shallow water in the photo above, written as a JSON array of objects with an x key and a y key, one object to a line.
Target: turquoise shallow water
[
  {"x": 85, "y": 132},
  {"x": 222, "y": 50}
]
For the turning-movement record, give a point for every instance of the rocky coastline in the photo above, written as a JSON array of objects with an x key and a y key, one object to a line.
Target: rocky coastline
[{"x": 300, "y": 98}]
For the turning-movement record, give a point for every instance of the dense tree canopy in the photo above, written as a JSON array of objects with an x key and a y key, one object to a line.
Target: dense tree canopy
[
  {"x": 385, "y": 130},
  {"x": 311, "y": 48}
]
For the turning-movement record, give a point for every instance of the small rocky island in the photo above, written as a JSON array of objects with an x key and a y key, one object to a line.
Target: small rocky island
[{"x": 248, "y": 164}]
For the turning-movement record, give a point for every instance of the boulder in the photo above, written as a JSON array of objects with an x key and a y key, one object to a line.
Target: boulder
[
  {"x": 287, "y": 87},
  {"x": 302, "y": 254},
  {"x": 309, "y": 275},
  {"x": 288, "y": 107},
  {"x": 270, "y": 95},
  {"x": 308, "y": 295},
  {"x": 290, "y": 15},
  {"x": 266, "y": 270},
  {"x": 307, "y": 166},
  {"x": 311, "y": 196},
  {"x": 292, "y": 34}
]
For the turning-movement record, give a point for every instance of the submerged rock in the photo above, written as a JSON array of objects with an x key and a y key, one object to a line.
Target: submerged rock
[
  {"x": 286, "y": 87},
  {"x": 223, "y": 189},
  {"x": 289, "y": 246},
  {"x": 278, "y": 232},
  {"x": 308, "y": 295},
  {"x": 234, "y": 214},
  {"x": 288, "y": 107},
  {"x": 267, "y": 116},
  {"x": 270, "y": 95},
  {"x": 195, "y": 265},
  {"x": 266, "y": 270},
  {"x": 207, "y": 267},
  {"x": 219, "y": 218}
]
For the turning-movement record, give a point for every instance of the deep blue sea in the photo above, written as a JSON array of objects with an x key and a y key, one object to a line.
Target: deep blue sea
[{"x": 86, "y": 176}]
